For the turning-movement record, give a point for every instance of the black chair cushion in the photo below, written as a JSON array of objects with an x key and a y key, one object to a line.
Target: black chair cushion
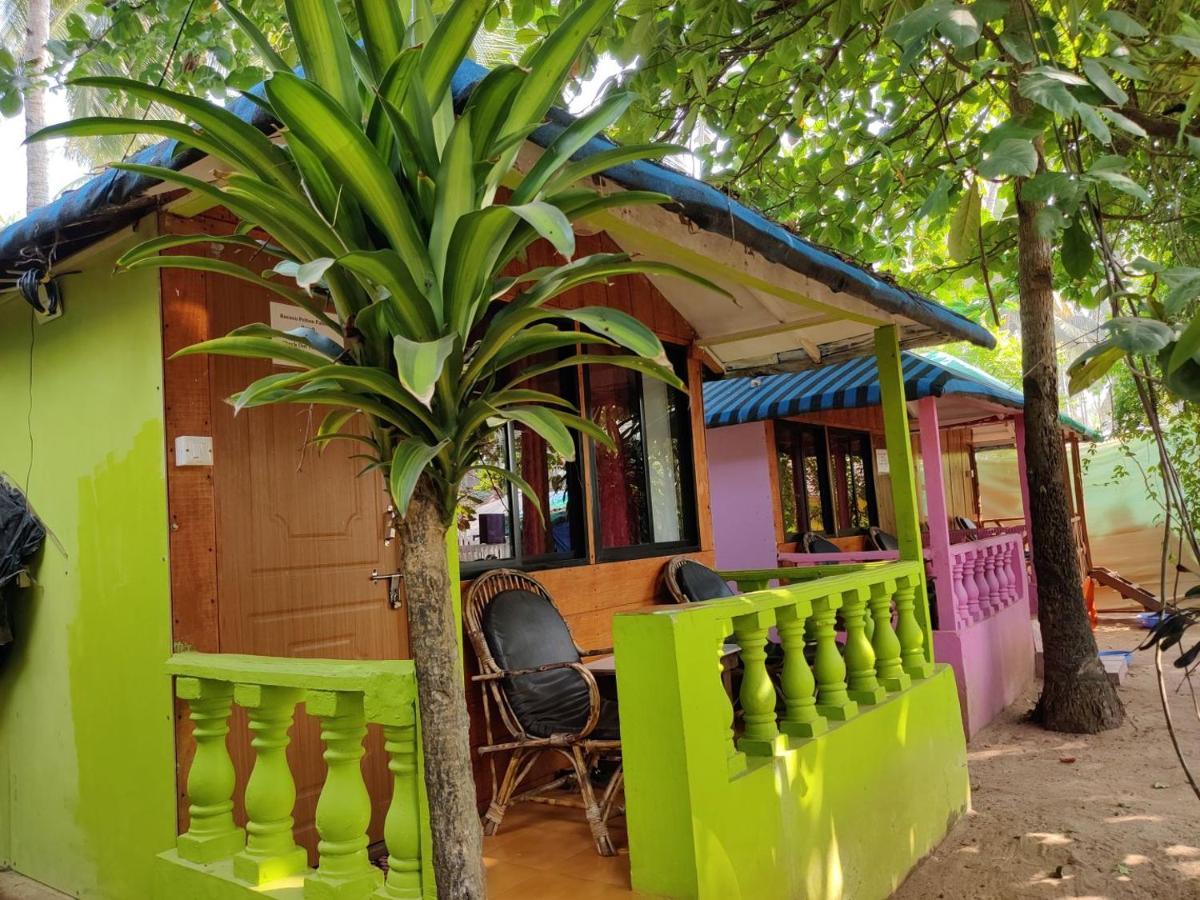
[
  {"x": 965, "y": 524},
  {"x": 698, "y": 582},
  {"x": 884, "y": 541},
  {"x": 814, "y": 543},
  {"x": 524, "y": 630}
]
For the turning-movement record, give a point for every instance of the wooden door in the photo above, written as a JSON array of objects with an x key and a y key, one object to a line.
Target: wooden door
[{"x": 298, "y": 534}]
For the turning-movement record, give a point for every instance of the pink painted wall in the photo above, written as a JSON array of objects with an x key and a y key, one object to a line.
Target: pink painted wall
[
  {"x": 740, "y": 485},
  {"x": 992, "y": 660}
]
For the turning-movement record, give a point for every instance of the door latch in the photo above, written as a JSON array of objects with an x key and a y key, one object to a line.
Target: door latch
[{"x": 393, "y": 580}]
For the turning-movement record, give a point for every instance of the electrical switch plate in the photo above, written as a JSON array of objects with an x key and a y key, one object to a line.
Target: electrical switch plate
[{"x": 193, "y": 450}]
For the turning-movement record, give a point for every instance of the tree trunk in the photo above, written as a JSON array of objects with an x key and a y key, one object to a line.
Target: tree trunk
[
  {"x": 1076, "y": 696},
  {"x": 37, "y": 156},
  {"x": 445, "y": 736}
]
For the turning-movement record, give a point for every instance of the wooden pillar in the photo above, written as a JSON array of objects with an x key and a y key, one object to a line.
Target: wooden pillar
[
  {"x": 1077, "y": 467},
  {"x": 940, "y": 564},
  {"x": 1023, "y": 474},
  {"x": 902, "y": 469}
]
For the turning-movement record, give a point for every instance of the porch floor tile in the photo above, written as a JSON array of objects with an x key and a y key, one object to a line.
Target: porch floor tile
[{"x": 547, "y": 852}]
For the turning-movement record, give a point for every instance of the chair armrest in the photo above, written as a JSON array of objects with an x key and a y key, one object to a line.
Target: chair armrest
[
  {"x": 603, "y": 651},
  {"x": 512, "y": 673}
]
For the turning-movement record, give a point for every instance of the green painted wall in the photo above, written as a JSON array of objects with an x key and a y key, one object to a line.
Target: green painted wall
[
  {"x": 87, "y": 784},
  {"x": 844, "y": 815}
]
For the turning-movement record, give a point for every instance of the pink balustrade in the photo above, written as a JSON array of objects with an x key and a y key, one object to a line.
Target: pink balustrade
[{"x": 985, "y": 573}]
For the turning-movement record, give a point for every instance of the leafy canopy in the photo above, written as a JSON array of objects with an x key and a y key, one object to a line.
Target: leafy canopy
[
  {"x": 393, "y": 221},
  {"x": 910, "y": 134}
]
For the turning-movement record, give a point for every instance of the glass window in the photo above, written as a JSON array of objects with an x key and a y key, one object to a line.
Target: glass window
[
  {"x": 853, "y": 481},
  {"x": 803, "y": 494},
  {"x": 498, "y": 523},
  {"x": 644, "y": 485}
]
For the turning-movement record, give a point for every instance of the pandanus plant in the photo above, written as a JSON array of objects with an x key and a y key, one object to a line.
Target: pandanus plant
[{"x": 394, "y": 219}]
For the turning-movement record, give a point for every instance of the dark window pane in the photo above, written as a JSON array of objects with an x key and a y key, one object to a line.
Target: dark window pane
[
  {"x": 485, "y": 508},
  {"x": 621, "y": 472},
  {"x": 854, "y": 488},
  {"x": 644, "y": 488},
  {"x": 499, "y": 522}
]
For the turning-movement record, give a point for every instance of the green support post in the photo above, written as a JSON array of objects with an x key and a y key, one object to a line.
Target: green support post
[{"x": 904, "y": 483}]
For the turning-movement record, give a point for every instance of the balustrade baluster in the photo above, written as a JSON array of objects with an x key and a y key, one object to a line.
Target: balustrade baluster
[
  {"x": 402, "y": 826},
  {"x": 211, "y": 833},
  {"x": 1012, "y": 554},
  {"x": 860, "y": 655},
  {"x": 962, "y": 611},
  {"x": 800, "y": 718},
  {"x": 971, "y": 585},
  {"x": 833, "y": 699},
  {"x": 981, "y": 585},
  {"x": 271, "y": 851},
  {"x": 908, "y": 630},
  {"x": 761, "y": 736},
  {"x": 344, "y": 807},
  {"x": 723, "y": 687},
  {"x": 888, "y": 666},
  {"x": 989, "y": 576}
]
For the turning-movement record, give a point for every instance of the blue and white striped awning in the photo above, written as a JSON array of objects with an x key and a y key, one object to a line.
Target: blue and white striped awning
[{"x": 851, "y": 385}]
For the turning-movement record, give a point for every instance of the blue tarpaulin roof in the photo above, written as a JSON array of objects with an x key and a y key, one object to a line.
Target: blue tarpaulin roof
[
  {"x": 112, "y": 200},
  {"x": 855, "y": 384}
]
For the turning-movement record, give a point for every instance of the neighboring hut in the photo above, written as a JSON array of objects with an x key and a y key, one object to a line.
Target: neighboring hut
[
  {"x": 187, "y": 529},
  {"x": 798, "y": 479}
]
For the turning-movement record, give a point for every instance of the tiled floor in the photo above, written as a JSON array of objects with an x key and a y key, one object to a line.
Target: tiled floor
[{"x": 546, "y": 853}]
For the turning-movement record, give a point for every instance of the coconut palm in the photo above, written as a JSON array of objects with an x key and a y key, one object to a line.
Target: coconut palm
[{"x": 393, "y": 221}]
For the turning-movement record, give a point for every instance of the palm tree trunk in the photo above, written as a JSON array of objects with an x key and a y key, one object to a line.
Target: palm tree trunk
[
  {"x": 445, "y": 735},
  {"x": 37, "y": 155},
  {"x": 1076, "y": 696}
]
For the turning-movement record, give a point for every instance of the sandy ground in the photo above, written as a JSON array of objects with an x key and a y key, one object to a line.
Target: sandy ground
[{"x": 1103, "y": 816}]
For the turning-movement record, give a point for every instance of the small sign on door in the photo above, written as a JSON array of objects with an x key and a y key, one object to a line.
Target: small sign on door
[{"x": 881, "y": 461}]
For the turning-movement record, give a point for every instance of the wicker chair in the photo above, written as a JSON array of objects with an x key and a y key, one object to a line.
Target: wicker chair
[
  {"x": 533, "y": 680},
  {"x": 881, "y": 540},
  {"x": 816, "y": 543},
  {"x": 688, "y": 581}
]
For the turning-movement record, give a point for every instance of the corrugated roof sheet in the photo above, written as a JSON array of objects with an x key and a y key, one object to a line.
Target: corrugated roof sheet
[
  {"x": 852, "y": 385},
  {"x": 111, "y": 200}
]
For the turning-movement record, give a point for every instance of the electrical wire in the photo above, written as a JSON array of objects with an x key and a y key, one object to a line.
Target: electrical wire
[{"x": 29, "y": 409}]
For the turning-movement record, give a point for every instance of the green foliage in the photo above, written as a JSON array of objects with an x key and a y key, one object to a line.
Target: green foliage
[{"x": 383, "y": 210}]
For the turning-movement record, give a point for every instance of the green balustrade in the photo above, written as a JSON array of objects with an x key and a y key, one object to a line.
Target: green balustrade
[
  {"x": 888, "y": 665},
  {"x": 909, "y": 630},
  {"x": 402, "y": 827},
  {"x": 757, "y": 695},
  {"x": 833, "y": 697},
  {"x": 271, "y": 852},
  {"x": 344, "y": 807},
  {"x": 800, "y": 718},
  {"x": 863, "y": 684},
  {"x": 345, "y": 696},
  {"x": 211, "y": 834}
]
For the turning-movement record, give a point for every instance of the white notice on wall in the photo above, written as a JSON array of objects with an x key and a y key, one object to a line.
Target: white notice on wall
[
  {"x": 285, "y": 317},
  {"x": 881, "y": 461}
]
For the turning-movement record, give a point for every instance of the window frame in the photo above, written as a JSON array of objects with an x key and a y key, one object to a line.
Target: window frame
[
  {"x": 577, "y": 512},
  {"x": 687, "y": 456},
  {"x": 791, "y": 432}
]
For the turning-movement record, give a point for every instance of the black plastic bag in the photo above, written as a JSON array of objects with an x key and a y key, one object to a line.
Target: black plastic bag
[{"x": 21, "y": 536}]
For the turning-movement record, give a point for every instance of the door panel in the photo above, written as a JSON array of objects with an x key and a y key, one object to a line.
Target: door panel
[{"x": 298, "y": 535}]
